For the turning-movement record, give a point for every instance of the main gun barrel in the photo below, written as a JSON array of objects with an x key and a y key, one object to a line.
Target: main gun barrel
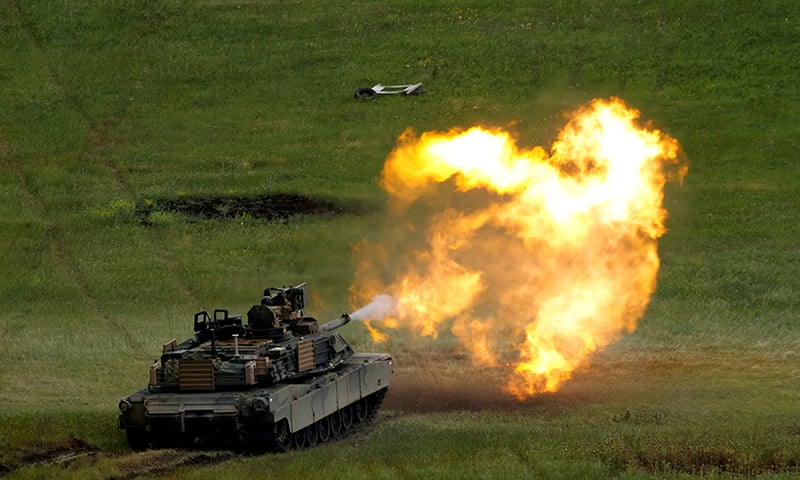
[{"x": 334, "y": 324}]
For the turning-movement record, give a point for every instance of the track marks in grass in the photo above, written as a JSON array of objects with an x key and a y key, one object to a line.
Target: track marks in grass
[
  {"x": 7, "y": 163},
  {"x": 99, "y": 137},
  {"x": 161, "y": 462},
  {"x": 69, "y": 265},
  {"x": 56, "y": 246},
  {"x": 98, "y": 133},
  {"x": 38, "y": 48},
  {"x": 53, "y": 235}
]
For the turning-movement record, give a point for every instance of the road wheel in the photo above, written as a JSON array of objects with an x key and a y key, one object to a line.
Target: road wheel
[
  {"x": 324, "y": 428},
  {"x": 362, "y": 409},
  {"x": 312, "y": 435},
  {"x": 299, "y": 439},
  {"x": 283, "y": 437},
  {"x": 336, "y": 423},
  {"x": 347, "y": 417}
]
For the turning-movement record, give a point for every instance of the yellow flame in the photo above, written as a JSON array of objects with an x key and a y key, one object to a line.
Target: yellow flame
[{"x": 531, "y": 259}]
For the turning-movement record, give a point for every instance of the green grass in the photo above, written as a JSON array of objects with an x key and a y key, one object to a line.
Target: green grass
[{"x": 108, "y": 104}]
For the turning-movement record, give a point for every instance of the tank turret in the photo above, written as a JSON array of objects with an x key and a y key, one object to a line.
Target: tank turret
[{"x": 278, "y": 380}]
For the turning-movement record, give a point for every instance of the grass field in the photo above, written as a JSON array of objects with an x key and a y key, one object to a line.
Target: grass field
[{"x": 109, "y": 107}]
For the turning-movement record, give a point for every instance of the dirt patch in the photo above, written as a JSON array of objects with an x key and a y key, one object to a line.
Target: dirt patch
[
  {"x": 266, "y": 207},
  {"x": 59, "y": 454},
  {"x": 76, "y": 453}
]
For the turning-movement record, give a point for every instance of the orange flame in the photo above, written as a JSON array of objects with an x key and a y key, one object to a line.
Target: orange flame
[
  {"x": 377, "y": 335},
  {"x": 532, "y": 260}
]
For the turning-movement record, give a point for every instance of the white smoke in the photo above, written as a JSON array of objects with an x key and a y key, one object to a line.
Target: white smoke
[{"x": 382, "y": 305}]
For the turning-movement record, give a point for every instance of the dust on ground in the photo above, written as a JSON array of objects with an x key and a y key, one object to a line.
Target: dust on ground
[{"x": 415, "y": 392}]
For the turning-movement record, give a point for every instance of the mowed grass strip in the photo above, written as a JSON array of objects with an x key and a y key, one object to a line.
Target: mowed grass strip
[{"x": 108, "y": 106}]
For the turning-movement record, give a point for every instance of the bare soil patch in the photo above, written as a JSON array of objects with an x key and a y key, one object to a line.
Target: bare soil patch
[{"x": 265, "y": 207}]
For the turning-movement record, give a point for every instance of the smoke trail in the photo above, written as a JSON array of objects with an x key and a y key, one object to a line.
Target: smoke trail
[{"x": 381, "y": 306}]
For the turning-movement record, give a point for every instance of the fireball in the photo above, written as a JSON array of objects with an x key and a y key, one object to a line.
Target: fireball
[{"x": 532, "y": 259}]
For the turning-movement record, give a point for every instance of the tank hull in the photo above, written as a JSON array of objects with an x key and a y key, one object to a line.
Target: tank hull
[{"x": 277, "y": 417}]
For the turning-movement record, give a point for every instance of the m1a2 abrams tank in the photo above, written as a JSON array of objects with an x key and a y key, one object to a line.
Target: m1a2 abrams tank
[{"x": 278, "y": 381}]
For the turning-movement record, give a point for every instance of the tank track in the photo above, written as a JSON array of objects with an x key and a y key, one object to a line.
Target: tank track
[{"x": 352, "y": 418}]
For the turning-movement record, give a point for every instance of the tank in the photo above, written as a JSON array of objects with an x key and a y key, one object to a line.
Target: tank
[{"x": 278, "y": 380}]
